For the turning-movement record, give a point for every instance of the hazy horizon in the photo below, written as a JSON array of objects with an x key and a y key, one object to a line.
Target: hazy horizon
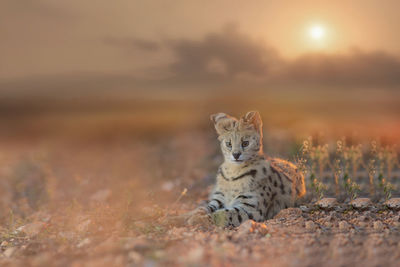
[{"x": 312, "y": 62}]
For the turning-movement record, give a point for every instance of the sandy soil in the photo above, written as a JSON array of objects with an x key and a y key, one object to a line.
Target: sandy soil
[{"x": 108, "y": 204}]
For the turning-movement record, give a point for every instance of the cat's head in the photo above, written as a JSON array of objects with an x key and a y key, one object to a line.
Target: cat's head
[{"x": 241, "y": 139}]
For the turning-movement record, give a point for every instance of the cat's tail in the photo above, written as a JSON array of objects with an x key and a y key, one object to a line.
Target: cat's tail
[{"x": 293, "y": 173}]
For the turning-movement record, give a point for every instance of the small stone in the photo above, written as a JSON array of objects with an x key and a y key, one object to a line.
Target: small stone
[
  {"x": 327, "y": 203},
  {"x": 139, "y": 244},
  {"x": 361, "y": 203},
  {"x": 339, "y": 208},
  {"x": 176, "y": 221},
  {"x": 67, "y": 235},
  {"x": 101, "y": 195},
  {"x": 4, "y": 244},
  {"x": 84, "y": 226},
  {"x": 393, "y": 203},
  {"x": 289, "y": 213},
  {"x": 32, "y": 229},
  {"x": 195, "y": 254},
  {"x": 260, "y": 228},
  {"x": 83, "y": 243},
  {"x": 41, "y": 216},
  {"x": 310, "y": 225},
  {"x": 9, "y": 252},
  {"x": 363, "y": 218},
  {"x": 107, "y": 245},
  {"x": 343, "y": 225},
  {"x": 362, "y": 224},
  {"x": 245, "y": 228},
  {"x": 305, "y": 208},
  {"x": 134, "y": 257},
  {"x": 167, "y": 186},
  {"x": 378, "y": 225},
  {"x": 42, "y": 259}
]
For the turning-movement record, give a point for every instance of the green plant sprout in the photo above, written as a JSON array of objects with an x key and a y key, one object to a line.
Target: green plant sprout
[
  {"x": 337, "y": 166},
  {"x": 312, "y": 160},
  {"x": 389, "y": 156},
  {"x": 371, "y": 167},
  {"x": 387, "y": 189},
  {"x": 302, "y": 159},
  {"x": 319, "y": 188},
  {"x": 351, "y": 158},
  {"x": 351, "y": 187},
  {"x": 378, "y": 164}
]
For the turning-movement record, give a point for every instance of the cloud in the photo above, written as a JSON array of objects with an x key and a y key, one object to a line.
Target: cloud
[
  {"x": 137, "y": 43},
  {"x": 225, "y": 54},
  {"x": 354, "y": 68},
  {"x": 225, "y": 59},
  {"x": 35, "y": 8},
  {"x": 229, "y": 55}
]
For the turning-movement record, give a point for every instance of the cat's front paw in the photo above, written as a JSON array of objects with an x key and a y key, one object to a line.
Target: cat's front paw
[{"x": 220, "y": 218}]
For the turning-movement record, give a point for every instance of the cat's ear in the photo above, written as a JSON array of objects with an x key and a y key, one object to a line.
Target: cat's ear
[
  {"x": 252, "y": 120},
  {"x": 223, "y": 123}
]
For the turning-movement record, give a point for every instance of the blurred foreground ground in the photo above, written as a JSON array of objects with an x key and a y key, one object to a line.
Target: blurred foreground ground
[{"x": 84, "y": 203}]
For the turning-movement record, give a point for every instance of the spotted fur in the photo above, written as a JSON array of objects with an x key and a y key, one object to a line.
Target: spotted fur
[{"x": 248, "y": 184}]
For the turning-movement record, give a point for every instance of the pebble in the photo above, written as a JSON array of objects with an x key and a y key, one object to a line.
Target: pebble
[
  {"x": 84, "y": 226},
  {"x": 67, "y": 235},
  {"x": 83, "y": 243},
  {"x": 378, "y": 225},
  {"x": 361, "y": 203},
  {"x": 343, "y": 225},
  {"x": 134, "y": 257},
  {"x": 310, "y": 225},
  {"x": 340, "y": 208},
  {"x": 362, "y": 224},
  {"x": 32, "y": 229},
  {"x": 195, "y": 254},
  {"x": 393, "y": 203},
  {"x": 327, "y": 203},
  {"x": 101, "y": 195},
  {"x": 245, "y": 228},
  {"x": 305, "y": 208},
  {"x": 363, "y": 218},
  {"x": 9, "y": 252},
  {"x": 289, "y": 213}
]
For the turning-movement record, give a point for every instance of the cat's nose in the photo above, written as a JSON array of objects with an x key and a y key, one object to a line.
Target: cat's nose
[{"x": 236, "y": 155}]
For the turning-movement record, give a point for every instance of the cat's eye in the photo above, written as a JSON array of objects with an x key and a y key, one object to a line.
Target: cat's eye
[
  {"x": 245, "y": 143},
  {"x": 228, "y": 144}
]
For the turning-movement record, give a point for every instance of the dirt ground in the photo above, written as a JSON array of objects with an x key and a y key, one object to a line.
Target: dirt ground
[{"x": 90, "y": 204}]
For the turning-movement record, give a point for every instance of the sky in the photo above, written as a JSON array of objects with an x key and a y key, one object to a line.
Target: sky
[
  {"x": 45, "y": 37},
  {"x": 68, "y": 49}
]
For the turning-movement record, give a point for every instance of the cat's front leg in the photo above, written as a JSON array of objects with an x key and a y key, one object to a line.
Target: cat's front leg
[{"x": 245, "y": 207}]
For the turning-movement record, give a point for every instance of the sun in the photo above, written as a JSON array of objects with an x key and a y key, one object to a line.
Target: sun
[{"x": 317, "y": 32}]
